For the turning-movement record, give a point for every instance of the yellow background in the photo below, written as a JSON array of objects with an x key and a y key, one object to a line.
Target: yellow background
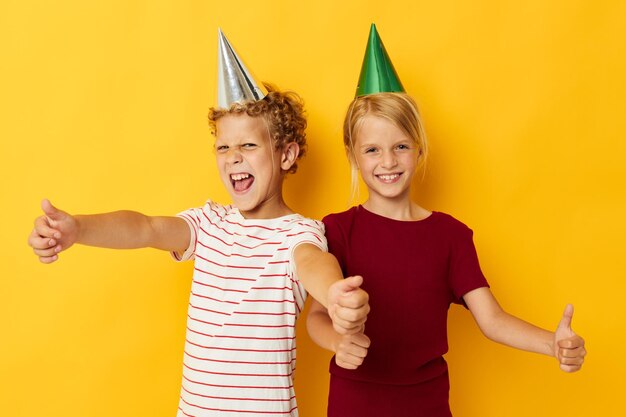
[{"x": 103, "y": 106}]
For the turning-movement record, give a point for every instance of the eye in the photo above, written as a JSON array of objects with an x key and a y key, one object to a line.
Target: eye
[
  {"x": 221, "y": 149},
  {"x": 403, "y": 147},
  {"x": 248, "y": 146},
  {"x": 370, "y": 150}
]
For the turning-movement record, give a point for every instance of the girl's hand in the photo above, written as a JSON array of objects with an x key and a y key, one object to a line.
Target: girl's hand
[
  {"x": 569, "y": 348},
  {"x": 351, "y": 350},
  {"x": 54, "y": 232}
]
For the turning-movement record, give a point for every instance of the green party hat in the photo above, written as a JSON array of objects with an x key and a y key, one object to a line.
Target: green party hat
[{"x": 377, "y": 72}]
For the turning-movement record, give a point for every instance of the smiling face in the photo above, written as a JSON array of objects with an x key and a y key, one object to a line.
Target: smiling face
[
  {"x": 386, "y": 158},
  {"x": 250, "y": 167}
]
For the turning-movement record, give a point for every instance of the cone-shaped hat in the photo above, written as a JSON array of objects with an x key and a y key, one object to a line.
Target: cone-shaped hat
[
  {"x": 235, "y": 83},
  {"x": 377, "y": 72}
]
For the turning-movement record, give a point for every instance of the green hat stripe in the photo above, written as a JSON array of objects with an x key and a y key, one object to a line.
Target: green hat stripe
[{"x": 377, "y": 72}]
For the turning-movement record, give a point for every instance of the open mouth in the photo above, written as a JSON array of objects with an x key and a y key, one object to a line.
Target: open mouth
[
  {"x": 241, "y": 182},
  {"x": 388, "y": 178}
]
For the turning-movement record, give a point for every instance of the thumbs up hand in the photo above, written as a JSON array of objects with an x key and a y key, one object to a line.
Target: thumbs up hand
[
  {"x": 348, "y": 305},
  {"x": 54, "y": 232},
  {"x": 569, "y": 348}
]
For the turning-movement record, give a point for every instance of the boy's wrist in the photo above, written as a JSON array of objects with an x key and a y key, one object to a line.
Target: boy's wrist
[{"x": 79, "y": 227}]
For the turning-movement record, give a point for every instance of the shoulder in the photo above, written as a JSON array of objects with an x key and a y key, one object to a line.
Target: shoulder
[
  {"x": 299, "y": 229},
  {"x": 342, "y": 218},
  {"x": 450, "y": 225},
  {"x": 297, "y": 224},
  {"x": 217, "y": 212},
  {"x": 211, "y": 214},
  {"x": 302, "y": 223}
]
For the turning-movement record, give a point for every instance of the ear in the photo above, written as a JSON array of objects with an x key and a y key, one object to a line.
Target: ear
[{"x": 289, "y": 155}]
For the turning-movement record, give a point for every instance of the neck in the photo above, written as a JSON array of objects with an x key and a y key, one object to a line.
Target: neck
[
  {"x": 269, "y": 209},
  {"x": 400, "y": 208}
]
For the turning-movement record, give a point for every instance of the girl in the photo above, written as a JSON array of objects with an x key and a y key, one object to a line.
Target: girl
[{"x": 414, "y": 263}]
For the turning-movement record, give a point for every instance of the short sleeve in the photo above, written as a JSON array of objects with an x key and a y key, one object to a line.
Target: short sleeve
[
  {"x": 306, "y": 231},
  {"x": 465, "y": 273},
  {"x": 195, "y": 217},
  {"x": 336, "y": 241}
]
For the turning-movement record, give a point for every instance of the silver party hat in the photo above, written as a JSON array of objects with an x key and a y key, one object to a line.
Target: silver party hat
[{"x": 235, "y": 83}]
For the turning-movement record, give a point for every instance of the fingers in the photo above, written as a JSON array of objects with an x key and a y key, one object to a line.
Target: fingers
[
  {"x": 352, "y": 350},
  {"x": 570, "y": 368},
  {"x": 355, "y": 298},
  {"x": 348, "y": 362},
  {"x": 571, "y": 354},
  {"x": 45, "y": 248},
  {"x": 48, "y": 259},
  {"x": 44, "y": 241},
  {"x": 348, "y": 305},
  {"x": 349, "y": 320},
  {"x": 48, "y": 252},
  {"x": 571, "y": 342},
  {"x": 43, "y": 228},
  {"x": 39, "y": 241},
  {"x": 346, "y": 327}
]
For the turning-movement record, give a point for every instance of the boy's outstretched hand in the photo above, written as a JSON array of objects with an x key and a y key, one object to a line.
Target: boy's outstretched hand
[
  {"x": 54, "y": 232},
  {"x": 348, "y": 305},
  {"x": 569, "y": 348}
]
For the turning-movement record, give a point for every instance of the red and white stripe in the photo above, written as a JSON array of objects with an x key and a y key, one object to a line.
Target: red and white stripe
[{"x": 240, "y": 351}]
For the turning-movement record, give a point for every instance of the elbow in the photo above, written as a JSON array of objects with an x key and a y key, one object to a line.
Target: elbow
[
  {"x": 490, "y": 334},
  {"x": 493, "y": 325}
]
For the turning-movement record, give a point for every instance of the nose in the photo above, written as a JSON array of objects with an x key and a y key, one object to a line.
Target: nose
[
  {"x": 388, "y": 160},
  {"x": 233, "y": 156}
]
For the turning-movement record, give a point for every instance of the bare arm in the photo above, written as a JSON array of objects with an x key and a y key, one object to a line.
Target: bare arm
[
  {"x": 320, "y": 327},
  {"x": 321, "y": 276},
  {"x": 502, "y": 327},
  {"x": 57, "y": 231},
  {"x": 350, "y": 350}
]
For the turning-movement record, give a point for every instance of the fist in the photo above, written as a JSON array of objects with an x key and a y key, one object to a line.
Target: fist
[
  {"x": 348, "y": 305},
  {"x": 569, "y": 348},
  {"x": 351, "y": 350},
  {"x": 54, "y": 232}
]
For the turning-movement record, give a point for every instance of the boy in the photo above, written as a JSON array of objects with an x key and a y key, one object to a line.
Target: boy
[{"x": 254, "y": 260}]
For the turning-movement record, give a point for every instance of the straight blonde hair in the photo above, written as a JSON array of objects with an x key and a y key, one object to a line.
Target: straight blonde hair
[{"x": 400, "y": 109}]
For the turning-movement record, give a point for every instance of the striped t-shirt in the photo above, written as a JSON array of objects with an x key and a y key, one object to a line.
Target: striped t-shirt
[{"x": 240, "y": 349}]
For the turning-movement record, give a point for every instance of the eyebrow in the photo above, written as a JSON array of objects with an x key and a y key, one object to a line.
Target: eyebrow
[
  {"x": 399, "y": 142},
  {"x": 368, "y": 145}
]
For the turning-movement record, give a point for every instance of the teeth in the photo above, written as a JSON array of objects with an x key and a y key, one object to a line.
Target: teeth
[
  {"x": 239, "y": 177},
  {"x": 388, "y": 177}
]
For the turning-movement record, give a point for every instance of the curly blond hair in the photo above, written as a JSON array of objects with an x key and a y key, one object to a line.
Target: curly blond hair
[{"x": 283, "y": 111}]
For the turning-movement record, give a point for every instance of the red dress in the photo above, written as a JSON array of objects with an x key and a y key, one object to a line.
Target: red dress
[{"x": 413, "y": 271}]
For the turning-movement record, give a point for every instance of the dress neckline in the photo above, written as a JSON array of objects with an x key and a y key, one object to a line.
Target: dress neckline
[{"x": 425, "y": 220}]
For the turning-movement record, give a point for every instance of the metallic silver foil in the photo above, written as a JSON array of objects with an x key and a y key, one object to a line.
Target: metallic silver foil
[{"x": 235, "y": 83}]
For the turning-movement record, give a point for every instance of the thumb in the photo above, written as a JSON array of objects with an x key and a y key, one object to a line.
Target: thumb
[
  {"x": 350, "y": 283},
  {"x": 564, "y": 328},
  {"x": 50, "y": 211}
]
